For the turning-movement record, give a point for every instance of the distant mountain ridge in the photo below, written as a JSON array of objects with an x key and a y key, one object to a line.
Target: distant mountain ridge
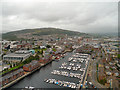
[{"x": 41, "y": 31}]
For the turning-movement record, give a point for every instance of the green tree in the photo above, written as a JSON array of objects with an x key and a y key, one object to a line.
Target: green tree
[
  {"x": 54, "y": 49},
  {"x": 66, "y": 46},
  {"x": 10, "y": 65},
  {"x": 118, "y": 56},
  {"x": 48, "y": 46},
  {"x": 103, "y": 81},
  {"x": 37, "y": 57},
  {"x": 14, "y": 65},
  {"x": 28, "y": 60}
]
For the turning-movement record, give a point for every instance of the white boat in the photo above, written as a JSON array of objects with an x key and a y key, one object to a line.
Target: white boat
[{"x": 30, "y": 87}]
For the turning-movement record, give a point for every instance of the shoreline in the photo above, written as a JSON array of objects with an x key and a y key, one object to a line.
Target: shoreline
[
  {"x": 84, "y": 77},
  {"x": 25, "y": 75}
]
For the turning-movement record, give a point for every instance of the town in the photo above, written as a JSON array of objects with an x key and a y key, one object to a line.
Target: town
[{"x": 20, "y": 58}]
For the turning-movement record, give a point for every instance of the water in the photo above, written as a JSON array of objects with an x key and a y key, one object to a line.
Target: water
[{"x": 37, "y": 78}]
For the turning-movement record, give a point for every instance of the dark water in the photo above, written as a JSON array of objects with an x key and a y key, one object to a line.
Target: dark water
[{"x": 37, "y": 78}]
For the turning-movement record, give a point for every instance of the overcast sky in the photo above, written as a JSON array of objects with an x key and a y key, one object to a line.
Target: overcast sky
[{"x": 90, "y": 17}]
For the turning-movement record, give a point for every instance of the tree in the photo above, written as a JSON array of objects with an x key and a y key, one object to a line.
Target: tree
[
  {"x": 48, "y": 46},
  {"x": 37, "y": 57},
  {"x": 66, "y": 46},
  {"x": 28, "y": 49},
  {"x": 54, "y": 49},
  {"x": 103, "y": 81},
  {"x": 10, "y": 65},
  {"x": 29, "y": 60},
  {"x": 118, "y": 56},
  {"x": 41, "y": 51},
  {"x": 14, "y": 65}
]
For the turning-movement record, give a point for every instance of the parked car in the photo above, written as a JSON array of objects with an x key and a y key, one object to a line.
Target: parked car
[{"x": 90, "y": 83}]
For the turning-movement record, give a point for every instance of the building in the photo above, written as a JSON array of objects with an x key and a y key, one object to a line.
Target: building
[
  {"x": 45, "y": 59},
  {"x": 31, "y": 66},
  {"x": 18, "y": 56},
  {"x": 10, "y": 77},
  {"x": 3, "y": 66},
  {"x": 32, "y": 51},
  {"x": 25, "y": 46}
]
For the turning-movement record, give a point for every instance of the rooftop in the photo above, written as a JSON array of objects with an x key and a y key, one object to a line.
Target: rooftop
[
  {"x": 15, "y": 55},
  {"x": 11, "y": 74}
]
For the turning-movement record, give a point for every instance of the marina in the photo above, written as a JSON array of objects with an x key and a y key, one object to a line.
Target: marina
[
  {"x": 69, "y": 69},
  {"x": 67, "y": 74},
  {"x": 73, "y": 72},
  {"x": 61, "y": 83}
]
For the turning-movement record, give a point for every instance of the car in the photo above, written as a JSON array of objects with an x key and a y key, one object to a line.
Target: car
[
  {"x": 85, "y": 82},
  {"x": 86, "y": 87},
  {"x": 93, "y": 86},
  {"x": 90, "y": 83}
]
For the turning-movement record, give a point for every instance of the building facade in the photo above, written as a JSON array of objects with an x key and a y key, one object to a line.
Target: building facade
[{"x": 18, "y": 56}]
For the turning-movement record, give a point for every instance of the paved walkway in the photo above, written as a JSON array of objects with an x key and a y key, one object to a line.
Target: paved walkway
[
  {"x": 13, "y": 82},
  {"x": 86, "y": 74},
  {"x": 84, "y": 79}
]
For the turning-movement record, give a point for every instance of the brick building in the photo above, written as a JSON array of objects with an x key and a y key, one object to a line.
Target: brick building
[
  {"x": 10, "y": 77},
  {"x": 31, "y": 66}
]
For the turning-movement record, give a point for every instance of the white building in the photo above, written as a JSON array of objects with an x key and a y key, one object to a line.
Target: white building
[{"x": 17, "y": 56}]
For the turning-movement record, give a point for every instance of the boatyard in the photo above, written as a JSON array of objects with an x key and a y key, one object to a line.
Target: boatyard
[{"x": 67, "y": 72}]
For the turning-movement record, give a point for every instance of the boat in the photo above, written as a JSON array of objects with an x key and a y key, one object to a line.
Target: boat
[
  {"x": 45, "y": 80},
  {"x": 30, "y": 87}
]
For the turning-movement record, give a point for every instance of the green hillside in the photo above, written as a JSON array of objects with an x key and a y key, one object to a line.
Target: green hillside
[{"x": 41, "y": 31}]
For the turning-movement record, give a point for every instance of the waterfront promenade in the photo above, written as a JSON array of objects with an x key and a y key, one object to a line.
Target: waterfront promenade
[
  {"x": 36, "y": 79},
  {"x": 84, "y": 76},
  {"x": 23, "y": 76},
  {"x": 15, "y": 81}
]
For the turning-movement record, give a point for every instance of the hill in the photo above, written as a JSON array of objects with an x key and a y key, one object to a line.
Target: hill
[{"x": 40, "y": 31}]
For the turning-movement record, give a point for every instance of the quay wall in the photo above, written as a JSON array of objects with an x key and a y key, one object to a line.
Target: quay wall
[{"x": 25, "y": 75}]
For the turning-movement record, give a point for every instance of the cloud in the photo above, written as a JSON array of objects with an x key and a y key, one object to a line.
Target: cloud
[{"x": 77, "y": 16}]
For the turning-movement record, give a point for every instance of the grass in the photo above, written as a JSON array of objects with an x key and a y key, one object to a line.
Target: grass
[
  {"x": 54, "y": 49},
  {"x": 13, "y": 68},
  {"x": 103, "y": 81},
  {"x": 21, "y": 64}
]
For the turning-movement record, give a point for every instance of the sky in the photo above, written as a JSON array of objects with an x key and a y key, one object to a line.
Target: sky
[{"x": 84, "y": 16}]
